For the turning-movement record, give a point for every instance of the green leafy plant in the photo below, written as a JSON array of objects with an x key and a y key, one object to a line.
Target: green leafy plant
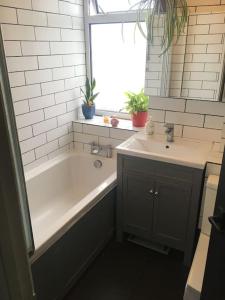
[
  {"x": 136, "y": 102},
  {"x": 89, "y": 94},
  {"x": 173, "y": 13}
]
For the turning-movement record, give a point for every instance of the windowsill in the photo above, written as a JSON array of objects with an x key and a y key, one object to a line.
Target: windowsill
[{"x": 98, "y": 121}]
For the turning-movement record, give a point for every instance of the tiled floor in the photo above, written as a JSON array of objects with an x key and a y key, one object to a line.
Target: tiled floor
[{"x": 130, "y": 272}]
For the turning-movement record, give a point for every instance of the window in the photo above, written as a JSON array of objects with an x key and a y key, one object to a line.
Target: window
[{"x": 117, "y": 54}]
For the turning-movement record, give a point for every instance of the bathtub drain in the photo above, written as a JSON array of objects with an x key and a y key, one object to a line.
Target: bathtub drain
[{"x": 97, "y": 163}]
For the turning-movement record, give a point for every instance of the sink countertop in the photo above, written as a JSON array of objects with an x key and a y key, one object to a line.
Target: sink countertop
[{"x": 186, "y": 152}]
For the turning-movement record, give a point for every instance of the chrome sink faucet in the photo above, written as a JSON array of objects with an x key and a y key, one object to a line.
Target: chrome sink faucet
[{"x": 169, "y": 132}]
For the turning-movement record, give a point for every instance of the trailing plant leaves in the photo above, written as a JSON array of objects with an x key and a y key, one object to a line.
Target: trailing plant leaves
[{"x": 174, "y": 14}]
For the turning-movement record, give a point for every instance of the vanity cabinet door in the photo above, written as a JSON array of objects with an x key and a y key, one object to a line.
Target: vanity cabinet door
[
  {"x": 138, "y": 199},
  {"x": 171, "y": 212}
]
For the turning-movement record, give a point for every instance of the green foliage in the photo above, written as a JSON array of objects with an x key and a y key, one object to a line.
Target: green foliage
[
  {"x": 173, "y": 13},
  {"x": 89, "y": 94},
  {"x": 136, "y": 102}
]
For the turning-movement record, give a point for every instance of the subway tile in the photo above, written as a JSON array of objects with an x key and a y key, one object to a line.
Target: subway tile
[
  {"x": 25, "y": 92},
  {"x": 192, "y": 84},
  {"x": 29, "y": 118},
  {"x": 72, "y": 105},
  {"x": 70, "y": 9},
  {"x": 44, "y": 126},
  {"x": 43, "y": 5},
  {"x": 78, "y": 23},
  {"x": 67, "y": 47},
  {"x": 35, "y": 163},
  {"x": 59, "y": 151},
  {"x": 12, "y": 48},
  {"x": 203, "y": 76},
  {"x": 203, "y": 2},
  {"x": 72, "y": 35},
  {"x": 67, "y": 95},
  {"x": 55, "y": 110},
  {"x": 167, "y": 104},
  {"x": 206, "y": 107},
  {"x": 52, "y": 87},
  {"x": 52, "y": 61},
  {"x": 47, "y": 34},
  {"x": 196, "y": 48},
  {"x": 66, "y": 118},
  {"x": 41, "y": 102},
  {"x": 96, "y": 130},
  {"x": 32, "y": 143},
  {"x": 8, "y": 15},
  {"x": 212, "y": 67},
  {"x": 57, "y": 132},
  {"x": 201, "y": 94},
  {"x": 214, "y": 122},
  {"x": 38, "y": 76},
  {"x": 194, "y": 67},
  {"x": 207, "y": 58},
  {"x": 35, "y": 48},
  {"x": 109, "y": 141},
  {"x": 85, "y": 138},
  {"x": 21, "y": 107},
  {"x": 74, "y": 82},
  {"x": 79, "y": 147},
  {"x": 59, "y": 21},
  {"x": 184, "y": 119},
  {"x": 25, "y": 133},
  {"x": 15, "y": 64},
  {"x": 16, "y": 79},
  {"x": 78, "y": 127},
  {"x": 17, "y": 32},
  {"x": 216, "y": 48},
  {"x": 73, "y": 59},
  {"x": 28, "y": 17},
  {"x": 204, "y": 134},
  {"x": 208, "y": 39},
  {"x": 16, "y": 3},
  {"x": 46, "y": 149},
  {"x": 198, "y": 29},
  {"x": 217, "y": 28},
  {"x": 66, "y": 139},
  {"x": 121, "y": 134},
  {"x": 157, "y": 115},
  {"x": 28, "y": 157},
  {"x": 211, "y": 19},
  {"x": 63, "y": 73}
]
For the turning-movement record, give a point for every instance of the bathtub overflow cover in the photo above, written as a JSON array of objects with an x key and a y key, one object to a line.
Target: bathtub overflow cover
[{"x": 97, "y": 163}]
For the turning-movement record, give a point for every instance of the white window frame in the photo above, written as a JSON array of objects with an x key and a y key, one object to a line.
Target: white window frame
[{"x": 108, "y": 18}]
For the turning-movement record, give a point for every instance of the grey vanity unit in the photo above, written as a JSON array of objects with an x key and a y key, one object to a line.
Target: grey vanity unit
[{"x": 159, "y": 202}]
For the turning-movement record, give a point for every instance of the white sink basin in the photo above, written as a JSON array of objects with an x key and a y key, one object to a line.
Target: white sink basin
[{"x": 187, "y": 152}]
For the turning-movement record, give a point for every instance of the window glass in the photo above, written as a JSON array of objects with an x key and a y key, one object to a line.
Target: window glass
[{"x": 118, "y": 63}]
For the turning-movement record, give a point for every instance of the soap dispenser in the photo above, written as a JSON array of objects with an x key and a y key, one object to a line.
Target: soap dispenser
[{"x": 149, "y": 127}]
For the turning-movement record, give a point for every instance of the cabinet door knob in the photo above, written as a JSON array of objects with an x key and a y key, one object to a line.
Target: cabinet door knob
[
  {"x": 151, "y": 191},
  {"x": 156, "y": 193}
]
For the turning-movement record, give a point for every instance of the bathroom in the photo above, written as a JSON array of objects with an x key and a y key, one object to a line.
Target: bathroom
[{"x": 99, "y": 199}]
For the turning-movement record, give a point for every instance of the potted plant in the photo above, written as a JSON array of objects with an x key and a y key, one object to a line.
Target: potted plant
[
  {"x": 137, "y": 106},
  {"x": 88, "y": 106}
]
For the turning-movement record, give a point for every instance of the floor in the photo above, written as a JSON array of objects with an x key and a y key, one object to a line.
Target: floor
[{"x": 130, "y": 272}]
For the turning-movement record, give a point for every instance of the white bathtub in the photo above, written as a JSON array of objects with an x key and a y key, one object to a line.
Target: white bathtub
[{"x": 62, "y": 190}]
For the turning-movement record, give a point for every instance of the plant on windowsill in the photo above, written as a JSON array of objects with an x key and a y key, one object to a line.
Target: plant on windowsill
[
  {"x": 88, "y": 106},
  {"x": 137, "y": 106}
]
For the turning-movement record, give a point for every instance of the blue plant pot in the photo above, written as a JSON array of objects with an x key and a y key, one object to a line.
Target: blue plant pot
[{"x": 88, "y": 111}]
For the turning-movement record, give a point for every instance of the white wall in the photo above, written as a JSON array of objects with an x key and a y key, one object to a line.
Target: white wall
[{"x": 45, "y": 53}]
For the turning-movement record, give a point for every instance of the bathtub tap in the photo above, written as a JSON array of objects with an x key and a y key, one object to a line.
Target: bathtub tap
[{"x": 101, "y": 150}]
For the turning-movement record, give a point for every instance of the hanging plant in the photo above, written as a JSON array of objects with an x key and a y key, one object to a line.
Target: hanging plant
[{"x": 173, "y": 13}]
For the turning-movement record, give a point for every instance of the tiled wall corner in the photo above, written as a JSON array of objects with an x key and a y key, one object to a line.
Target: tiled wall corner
[{"x": 45, "y": 53}]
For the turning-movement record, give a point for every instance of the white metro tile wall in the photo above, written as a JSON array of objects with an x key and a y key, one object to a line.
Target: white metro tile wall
[{"x": 45, "y": 53}]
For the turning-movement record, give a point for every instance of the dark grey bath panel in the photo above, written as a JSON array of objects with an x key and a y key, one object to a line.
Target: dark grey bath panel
[
  {"x": 58, "y": 268},
  {"x": 159, "y": 202}
]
